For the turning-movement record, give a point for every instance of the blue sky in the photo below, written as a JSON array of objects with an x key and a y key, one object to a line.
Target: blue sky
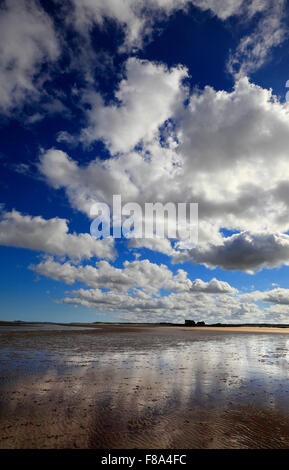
[{"x": 164, "y": 101}]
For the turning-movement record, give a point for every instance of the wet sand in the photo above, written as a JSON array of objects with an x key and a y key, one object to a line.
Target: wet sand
[{"x": 144, "y": 387}]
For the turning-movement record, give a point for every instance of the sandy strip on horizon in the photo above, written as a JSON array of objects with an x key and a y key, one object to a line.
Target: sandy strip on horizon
[{"x": 238, "y": 329}]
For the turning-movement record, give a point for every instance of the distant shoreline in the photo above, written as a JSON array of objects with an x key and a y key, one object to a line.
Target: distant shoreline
[{"x": 241, "y": 328}]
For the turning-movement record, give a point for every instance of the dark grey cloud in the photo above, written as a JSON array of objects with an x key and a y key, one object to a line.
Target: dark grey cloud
[{"x": 243, "y": 251}]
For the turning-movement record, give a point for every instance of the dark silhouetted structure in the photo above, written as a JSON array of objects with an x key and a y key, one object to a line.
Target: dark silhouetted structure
[
  {"x": 190, "y": 323},
  {"x": 193, "y": 323}
]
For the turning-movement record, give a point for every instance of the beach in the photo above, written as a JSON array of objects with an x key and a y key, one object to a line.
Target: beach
[{"x": 121, "y": 387}]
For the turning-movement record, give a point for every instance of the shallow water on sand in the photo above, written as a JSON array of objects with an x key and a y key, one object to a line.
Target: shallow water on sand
[{"x": 143, "y": 388}]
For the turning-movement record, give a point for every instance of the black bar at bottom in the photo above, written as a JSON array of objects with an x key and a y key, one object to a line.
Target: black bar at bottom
[{"x": 132, "y": 458}]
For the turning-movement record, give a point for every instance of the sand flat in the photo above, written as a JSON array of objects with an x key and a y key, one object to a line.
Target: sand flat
[
  {"x": 237, "y": 329},
  {"x": 144, "y": 387}
]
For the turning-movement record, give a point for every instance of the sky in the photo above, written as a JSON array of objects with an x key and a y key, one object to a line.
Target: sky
[{"x": 168, "y": 101}]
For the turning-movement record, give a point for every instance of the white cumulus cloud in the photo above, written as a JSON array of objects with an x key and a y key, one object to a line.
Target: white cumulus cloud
[
  {"x": 51, "y": 236},
  {"x": 27, "y": 40}
]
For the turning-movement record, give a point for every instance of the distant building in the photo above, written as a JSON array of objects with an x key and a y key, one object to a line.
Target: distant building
[
  {"x": 190, "y": 323},
  {"x": 193, "y": 323}
]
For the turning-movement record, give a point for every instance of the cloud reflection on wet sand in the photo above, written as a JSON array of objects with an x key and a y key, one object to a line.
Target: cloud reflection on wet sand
[{"x": 146, "y": 388}]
